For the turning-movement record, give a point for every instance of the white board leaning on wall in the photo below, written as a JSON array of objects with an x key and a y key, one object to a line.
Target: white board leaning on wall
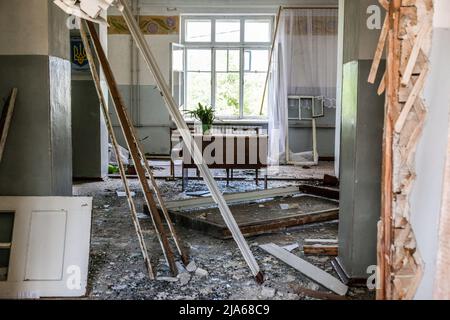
[{"x": 47, "y": 253}]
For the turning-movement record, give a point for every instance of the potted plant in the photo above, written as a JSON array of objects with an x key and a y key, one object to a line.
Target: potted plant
[{"x": 205, "y": 115}]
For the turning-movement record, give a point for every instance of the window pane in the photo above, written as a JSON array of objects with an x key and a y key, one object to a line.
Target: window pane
[
  {"x": 222, "y": 60},
  {"x": 227, "y": 60},
  {"x": 256, "y": 60},
  {"x": 198, "y": 89},
  {"x": 253, "y": 90},
  {"x": 228, "y": 31},
  {"x": 198, "y": 30},
  {"x": 178, "y": 88},
  {"x": 177, "y": 59},
  {"x": 234, "y": 59},
  {"x": 199, "y": 60},
  {"x": 227, "y": 82},
  {"x": 227, "y": 94},
  {"x": 257, "y": 30}
]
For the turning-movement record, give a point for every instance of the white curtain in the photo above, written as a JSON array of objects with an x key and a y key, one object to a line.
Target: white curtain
[{"x": 304, "y": 63}]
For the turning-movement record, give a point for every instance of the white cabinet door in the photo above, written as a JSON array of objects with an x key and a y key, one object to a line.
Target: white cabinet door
[{"x": 49, "y": 253}]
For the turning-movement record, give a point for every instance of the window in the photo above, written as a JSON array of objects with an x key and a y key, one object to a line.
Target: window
[
  {"x": 257, "y": 30},
  {"x": 199, "y": 77},
  {"x": 226, "y": 61},
  {"x": 198, "y": 31},
  {"x": 228, "y": 31}
]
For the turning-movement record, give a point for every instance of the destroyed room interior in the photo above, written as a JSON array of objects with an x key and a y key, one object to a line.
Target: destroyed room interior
[{"x": 224, "y": 150}]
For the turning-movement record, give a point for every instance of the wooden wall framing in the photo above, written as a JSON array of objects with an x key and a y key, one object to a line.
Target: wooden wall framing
[{"x": 408, "y": 45}]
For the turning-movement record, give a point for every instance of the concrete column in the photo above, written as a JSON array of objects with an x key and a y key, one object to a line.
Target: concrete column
[
  {"x": 34, "y": 57},
  {"x": 359, "y": 130},
  {"x": 89, "y": 133}
]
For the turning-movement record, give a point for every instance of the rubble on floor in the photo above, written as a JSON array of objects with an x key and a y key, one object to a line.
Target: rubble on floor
[{"x": 217, "y": 270}]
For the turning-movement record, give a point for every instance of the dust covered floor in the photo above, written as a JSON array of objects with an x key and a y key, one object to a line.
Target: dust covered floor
[{"x": 117, "y": 270}]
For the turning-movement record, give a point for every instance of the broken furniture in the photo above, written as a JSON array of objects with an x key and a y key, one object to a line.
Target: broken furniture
[
  {"x": 176, "y": 141},
  {"x": 361, "y": 150},
  {"x": 304, "y": 108},
  {"x": 229, "y": 152}
]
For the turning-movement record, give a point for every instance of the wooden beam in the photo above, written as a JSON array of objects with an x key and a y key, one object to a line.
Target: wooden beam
[
  {"x": 320, "y": 241},
  {"x": 290, "y": 221},
  {"x": 384, "y": 4},
  {"x": 180, "y": 247},
  {"x": 391, "y": 112},
  {"x": 312, "y": 272},
  {"x": 232, "y": 198},
  {"x": 183, "y": 128},
  {"x": 319, "y": 191},
  {"x": 272, "y": 49},
  {"x": 417, "y": 89},
  {"x": 424, "y": 29},
  {"x": 379, "y": 51},
  {"x": 115, "y": 144},
  {"x": 5, "y": 120},
  {"x": 5, "y": 245},
  {"x": 128, "y": 133},
  {"x": 382, "y": 86},
  {"x": 321, "y": 249}
]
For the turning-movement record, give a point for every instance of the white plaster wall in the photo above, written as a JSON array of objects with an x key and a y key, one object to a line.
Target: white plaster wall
[
  {"x": 29, "y": 18},
  {"x": 119, "y": 55},
  {"x": 431, "y": 153}
]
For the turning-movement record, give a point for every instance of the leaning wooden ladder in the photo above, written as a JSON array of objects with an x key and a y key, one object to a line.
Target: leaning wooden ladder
[
  {"x": 196, "y": 154},
  {"x": 138, "y": 157}
]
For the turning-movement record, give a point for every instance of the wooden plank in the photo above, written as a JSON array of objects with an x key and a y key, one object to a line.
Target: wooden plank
[
  {"x": 183, "y": 128},
  {"x": 131, "y": 141},
  {"x": 418, "y": 86},
  {"x": 180, "y": 247},
  {"x": 272, "y": 49},
  {"x": 251, "y": 229},
  {"x": 321, "y": 249},
  {"x": 115, "y": 144},
  {"x": 382, "y": 86},
  {"x": 312, "y": 272},
  {"x": 5, "y": 120},
  {"x": 320, "y": 241},
  {"x": 424, "y": 29},
  {"x": 379, "y": 51},
  {"x": 384, "y": 4},
  {"x": 273, "y": 225},
  {"x": 5, "y": 245},
  {"x": 319, "y": 191},
  {"x": 186, "y": 204}
]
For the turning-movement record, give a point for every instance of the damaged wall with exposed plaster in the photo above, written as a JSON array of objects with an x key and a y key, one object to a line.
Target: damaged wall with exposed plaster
[{"x": 431, "y": 152}]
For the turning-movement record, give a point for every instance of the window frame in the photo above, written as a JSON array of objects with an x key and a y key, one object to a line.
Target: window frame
[{"x": 242, "y": 46}]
